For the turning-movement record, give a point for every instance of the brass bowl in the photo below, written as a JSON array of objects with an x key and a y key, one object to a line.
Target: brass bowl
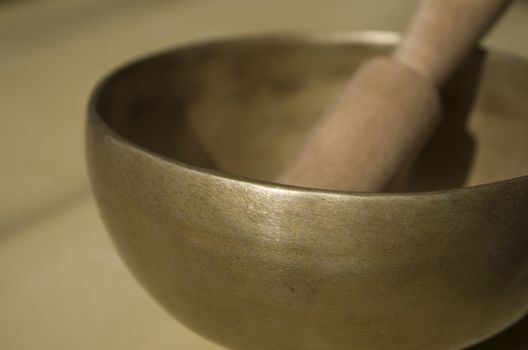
[{"x": 182, "y": 147}]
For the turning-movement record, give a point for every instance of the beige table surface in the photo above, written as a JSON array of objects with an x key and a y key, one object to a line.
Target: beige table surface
[{"x": 61, "y": 284}]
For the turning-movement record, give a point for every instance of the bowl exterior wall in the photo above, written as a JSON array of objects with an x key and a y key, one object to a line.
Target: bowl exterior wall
[{"x": 257, "y": 266}]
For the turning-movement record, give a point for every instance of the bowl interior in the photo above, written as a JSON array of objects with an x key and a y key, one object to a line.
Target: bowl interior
[{"x": 245, "y": 106}]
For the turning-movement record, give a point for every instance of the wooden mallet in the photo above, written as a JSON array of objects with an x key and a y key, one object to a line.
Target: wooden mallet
[{"x": 391, "y": 106}]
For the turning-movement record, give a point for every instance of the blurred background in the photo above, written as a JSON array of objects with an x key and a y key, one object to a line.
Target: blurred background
[{"x": 62, "y": 285}]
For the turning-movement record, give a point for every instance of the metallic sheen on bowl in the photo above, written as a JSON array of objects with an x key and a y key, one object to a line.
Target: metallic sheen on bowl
[{"x": 182, "y": 148}]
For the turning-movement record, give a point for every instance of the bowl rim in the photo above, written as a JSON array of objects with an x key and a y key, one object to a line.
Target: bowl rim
[{"x": 378, "y": 37}]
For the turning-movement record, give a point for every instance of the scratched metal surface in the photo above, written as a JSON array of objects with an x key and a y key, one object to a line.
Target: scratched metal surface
[{"x": 61, "y": 283}]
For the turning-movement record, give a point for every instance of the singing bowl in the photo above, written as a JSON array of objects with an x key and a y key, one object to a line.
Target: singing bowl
[{"x": 182, "y": 150}]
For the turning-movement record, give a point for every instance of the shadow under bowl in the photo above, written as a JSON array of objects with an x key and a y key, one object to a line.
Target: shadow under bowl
[{"x": 182, "y": 148}]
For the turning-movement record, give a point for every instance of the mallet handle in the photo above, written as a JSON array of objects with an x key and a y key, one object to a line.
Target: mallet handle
[{"x": 391, "y": 107}]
